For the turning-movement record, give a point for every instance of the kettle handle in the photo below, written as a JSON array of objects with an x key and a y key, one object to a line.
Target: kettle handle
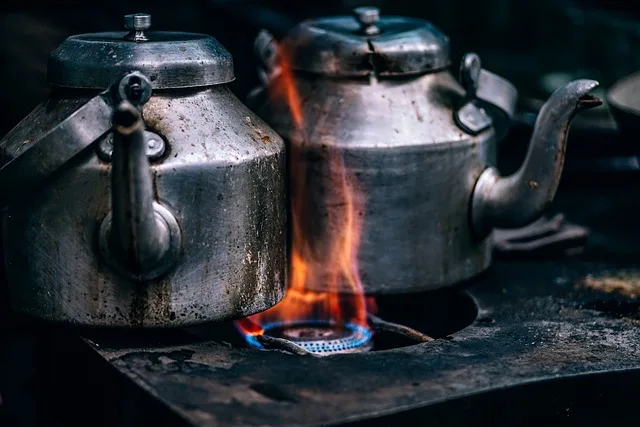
[
  {"x": 25, "y": 164},
  {"x": 265, "y": 49},
  {"x": 490, "y": 99}
]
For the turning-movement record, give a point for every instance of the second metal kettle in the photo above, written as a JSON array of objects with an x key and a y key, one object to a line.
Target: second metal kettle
[{"x": 420, "y": 144}]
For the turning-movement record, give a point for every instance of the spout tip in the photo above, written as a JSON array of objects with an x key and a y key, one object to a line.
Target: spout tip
[
  {"x": 585, "y": 85},
  {"x": 579, "y": 87},
  {"x": 589, "y": 101},
  {"x": 576, "y": 96},
  {"x": 586, "y": 100}
]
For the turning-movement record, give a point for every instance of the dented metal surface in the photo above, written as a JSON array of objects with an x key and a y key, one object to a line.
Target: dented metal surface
[
  {"x": 171, "y": 59},
  {"x": 140, "y": 238},
  {"x": 363, "y": 44}
]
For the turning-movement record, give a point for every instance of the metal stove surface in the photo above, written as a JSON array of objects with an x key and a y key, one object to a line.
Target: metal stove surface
[{"x": 535, "y": 326}]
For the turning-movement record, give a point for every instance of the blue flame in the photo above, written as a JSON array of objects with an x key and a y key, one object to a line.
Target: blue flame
[{"x": 361, "y": 336}]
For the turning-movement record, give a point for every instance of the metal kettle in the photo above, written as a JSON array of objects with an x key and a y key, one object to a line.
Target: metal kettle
[
  {"x": 142, "y": 193},
  {"x": 421, "y": 144}
]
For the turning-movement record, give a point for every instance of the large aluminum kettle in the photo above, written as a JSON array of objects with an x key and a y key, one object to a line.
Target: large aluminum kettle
[{"x": 142, "y": 192}]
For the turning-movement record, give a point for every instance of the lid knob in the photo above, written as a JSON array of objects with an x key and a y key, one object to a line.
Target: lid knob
[
  {"x": 137, "y": 23},
  {"x": 368, "y": 17}
]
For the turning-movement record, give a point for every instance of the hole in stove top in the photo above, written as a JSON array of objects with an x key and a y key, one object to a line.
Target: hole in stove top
[{"x": 436, "y": 314}]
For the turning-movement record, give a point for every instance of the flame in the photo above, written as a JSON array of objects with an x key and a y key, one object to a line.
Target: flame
[{"x": 328, "y": 262}]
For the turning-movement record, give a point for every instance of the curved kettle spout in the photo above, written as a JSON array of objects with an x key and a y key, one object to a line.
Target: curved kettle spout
[
  {"x": 140, "y": 237},
  {"x": 513, "y": 201}
]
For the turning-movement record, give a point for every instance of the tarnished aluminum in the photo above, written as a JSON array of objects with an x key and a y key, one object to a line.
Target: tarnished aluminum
[
  {"x": 172, "y": 60},
  {"x": 516, "y": 200},
  {"x": 113, "y": 232},
  {"x": 366, "y": 42},
  {"x": 422, "y": 150},
  {"x": 140, "y": 239}
]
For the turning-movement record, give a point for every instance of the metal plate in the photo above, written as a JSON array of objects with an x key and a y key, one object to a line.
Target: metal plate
[{"x": 531, "y": 328}]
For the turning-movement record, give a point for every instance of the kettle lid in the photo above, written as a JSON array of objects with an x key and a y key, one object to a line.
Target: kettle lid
[
  {"x": 171, "y": 59},
  {"x": 367, "y": 43}
]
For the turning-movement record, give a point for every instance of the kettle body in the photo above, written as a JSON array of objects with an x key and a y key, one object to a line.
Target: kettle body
[
  {"x": 415, "y": 170},
  {"x": 419, "y": 144},
  {"x": 214, "y": 168}
]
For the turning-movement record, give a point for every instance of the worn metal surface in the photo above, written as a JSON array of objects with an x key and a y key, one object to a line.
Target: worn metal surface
[
  {"x": 44, "y": 141},
  {"x": 36, "y": 148},
  {"x": 222, "y": 176},
  {"x": 416, "y": 146},
  {"x": 341, "y": 46},
  {"x": 537, "y": 321},
  {"x": 137, "y": 24},
  {"x": 155, "y": 146},
  {"x": 520, "y": 198},
  {"x": 490, "y": 100},
  {"x": 533, "y": 324},
  {"x": 417, "y": 170},
  {"x": 140, "y": 239},
  {"x": 414, "y": 166},
  {"x": 171, "y": 59}
]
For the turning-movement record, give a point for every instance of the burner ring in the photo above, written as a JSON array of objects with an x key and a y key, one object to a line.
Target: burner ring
[{"x": 319, "y": 337}]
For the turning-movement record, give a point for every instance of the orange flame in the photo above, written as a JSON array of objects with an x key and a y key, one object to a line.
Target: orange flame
[{"x": 329, "y": 263}]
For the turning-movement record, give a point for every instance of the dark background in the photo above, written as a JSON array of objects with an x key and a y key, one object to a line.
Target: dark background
[{"x": 539, "y": 45}]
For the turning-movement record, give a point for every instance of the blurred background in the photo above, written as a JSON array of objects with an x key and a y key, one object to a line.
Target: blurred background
[{"x": 538, "y": 45}]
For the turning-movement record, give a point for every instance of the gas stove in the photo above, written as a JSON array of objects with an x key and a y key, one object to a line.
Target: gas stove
[
  {"x": 553, "y": 341},
  {"x": 547, "y": 336}
]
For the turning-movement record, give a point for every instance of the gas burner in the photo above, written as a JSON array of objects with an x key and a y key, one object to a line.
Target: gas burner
[
  {"x": 400, "y": 321},
  {"x": 317, "y": 337}
]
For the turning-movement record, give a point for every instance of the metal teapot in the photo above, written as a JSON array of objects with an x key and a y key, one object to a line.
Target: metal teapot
[
  {"x": 133, "y": 208},
  {"x": 421, "y": 145}
]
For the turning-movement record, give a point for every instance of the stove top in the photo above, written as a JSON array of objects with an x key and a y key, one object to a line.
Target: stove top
[
  {"x": 533, "y": 324},
  {"x": 538, "y": 341}
]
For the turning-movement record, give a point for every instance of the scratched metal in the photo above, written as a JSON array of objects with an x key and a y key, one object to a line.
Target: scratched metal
[
  {"x": 432, "y": 194},
  {"x": 534, "y": 324},
  {"x": 222, "y": 176}
]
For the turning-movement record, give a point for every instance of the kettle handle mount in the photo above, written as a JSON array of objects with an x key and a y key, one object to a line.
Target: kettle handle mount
[
  {"x": 31, "y": 162},
  {"x": 490, "y": 100},
  {"x": 140, "y": 239}
]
